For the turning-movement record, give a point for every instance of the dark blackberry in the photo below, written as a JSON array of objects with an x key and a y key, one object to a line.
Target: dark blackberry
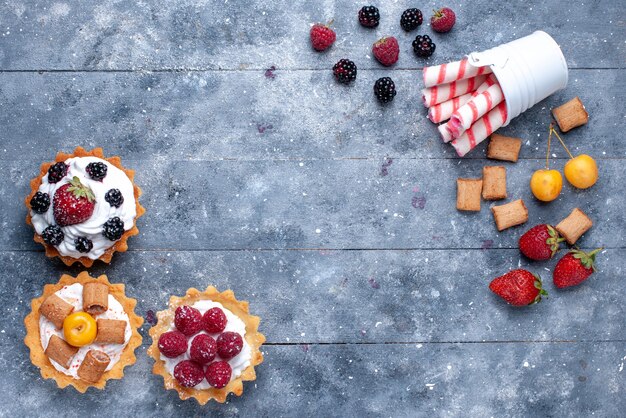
[
  {"x": 40, "y": 202},
  {"x": 53, "y": 235},
  {"x": 369, "y": 16},
  {"x": 56, "y": 172},
  {"x": 345, "y": 71},
  {"x": 423, "y": 46},
  {"x": 411, "y": 19},
  {"x": 114, "y": 198},
  {"x": 97, "y": 170},
  {"x": 385, "y": 89},
  {"x": 83, "y": 245},
  {"x": 113, "y": 229}
]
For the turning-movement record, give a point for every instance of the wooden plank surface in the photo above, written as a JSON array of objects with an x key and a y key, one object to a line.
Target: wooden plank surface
[{"x": 334, "y": 216}]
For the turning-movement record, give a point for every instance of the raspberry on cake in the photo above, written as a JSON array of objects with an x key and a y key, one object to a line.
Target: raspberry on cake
[
  {"x": 212, "y": 359},
  {"x": 78, "y": 346},
  {"x": 77, "y": 207}
]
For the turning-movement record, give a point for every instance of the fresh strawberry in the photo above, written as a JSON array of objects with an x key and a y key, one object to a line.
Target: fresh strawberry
[
  {"x": 73, "y": 203},
  {"x": 518, "y": 287},
  {"x": 322, "y": 36},
  {"x": 386, "y": 50},
  {"x": 540, "y": 242},
  {"x": 443, "y": 20},
  {"x": 574, "y": 268}
]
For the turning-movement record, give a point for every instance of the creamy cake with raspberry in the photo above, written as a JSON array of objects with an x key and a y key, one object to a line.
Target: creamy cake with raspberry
[
  {"x": 84, "y": 207},
  {"x": 206, "y": 344},
  {"x": 82, "y": 331}
]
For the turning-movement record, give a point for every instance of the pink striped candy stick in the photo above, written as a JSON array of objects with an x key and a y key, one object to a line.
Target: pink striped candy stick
[
  {"x": 489, "y": 81},
  {"x": 474, "y": 109},
  {"x": 480, "y": 130},
  {"x": 444, "y": 132},
  {"x": 452, "y": 71},
  {"x": 439, "y": 94},
  {"x": 443, "y": 111}
]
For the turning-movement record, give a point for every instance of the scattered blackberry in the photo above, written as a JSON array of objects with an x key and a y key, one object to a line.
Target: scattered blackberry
[
  {"x": 56, "y": 172},
  {"x": 369, "y": 16},
  {"x": 384, "y": 89},
  {"x": 52, "y": 235},
  {"x": 411, "y": 19},
  {"x": 40, "y": 202},
  {"x": 97, "y": 170},
  {"x": 83, "y": 245},
  {"x": 423, "y": 46},
  {"x": 113, "y": 229},
  {"x": 114, "y": 198},
  {"x": 345, "y": 71}
]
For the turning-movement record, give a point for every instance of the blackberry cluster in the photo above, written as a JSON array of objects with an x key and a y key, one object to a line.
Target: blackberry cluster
[
  {"x": 113, "y": 229},
  {"x": 411, "y": 19},
  {"x": 97, "y": 170},
  {"x": 369, "y": 16},
  {"x": 385, "y": 89},
  {"x": 56, "y": 172},
  {"x": 423, "y": 46},
  {"x": 40, "y": 202},
  {"x": 83, "y": 245},
  {"x": 53, "y": 235},
  {"x": 345, "y": 71},
  {"x": 114, "y": 198}
]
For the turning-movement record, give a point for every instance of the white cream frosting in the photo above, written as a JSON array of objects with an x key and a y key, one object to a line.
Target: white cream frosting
[
  {"x": 103, "y": 211},
  {"x": 73, "y": 295},
  {"x": 234, "y": 324}
]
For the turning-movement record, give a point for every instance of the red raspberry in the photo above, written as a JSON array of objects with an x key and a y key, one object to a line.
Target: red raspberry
[
  {"x": 188, "y": 373},
  {"x": 203, "y": 349},
  {"x": 229, "y": 344},
  {"x": 188, "y": 320},
  {"x": 218, "y": 374},
  {"x": 172, "y": 344},
  {"x": 386, "y": 50},
  {"x": 443, "y": 20},
  {"x": 214, "y": 320},
  {"x": 322, "y": 37}
]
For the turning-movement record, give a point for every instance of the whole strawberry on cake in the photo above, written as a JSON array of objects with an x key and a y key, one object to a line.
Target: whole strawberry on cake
[{"x": 84, "y": 207}]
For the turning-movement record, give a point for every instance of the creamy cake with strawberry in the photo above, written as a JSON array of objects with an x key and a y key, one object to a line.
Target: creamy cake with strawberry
[
  {"x": 83, "y": 331},
  {"x": 84, "y": 207},
  {"x": 206, "y": 344}
]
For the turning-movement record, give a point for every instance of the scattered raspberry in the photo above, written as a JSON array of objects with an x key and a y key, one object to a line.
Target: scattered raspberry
[
  {"x": 369, "y": 16},
  {"x": 188, "y": 320},
  {"x": 229, "y": 344},
  {"x": 218, "y": 374},
  {"x": 386, "y": 50},
  {"x": 73, "y": 203},
  {"x": 214, "y": 320},
  {"x": 411, "y": 19},
  {"x": 423, "y": 46},
  {"x": 53, "y": 235},
  {"x": 443, "y": 20},
  {"x": 188, "y": 373},
  {"x": 322, "y": 37},
  {"x": 56, "y": 172},
  {"x": 203, "y": 349},
  {"x": 385, "y": 89},
  {"x": 97, "y": 170},
  {"x": 113, "y": 229},
  {"x": 40, "y": 202},
  {"x": 172, "y": 344},
  {"x": 345, "y": 71},
  {"x": 114, "y": 198},
  {"x": 83, "y": 245}
]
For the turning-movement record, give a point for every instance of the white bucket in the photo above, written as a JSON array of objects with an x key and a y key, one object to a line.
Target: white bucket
[{"x": 528, "y": 69}]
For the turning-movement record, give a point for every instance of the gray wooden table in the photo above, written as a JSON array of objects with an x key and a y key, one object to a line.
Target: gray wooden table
[{"x": 332, "y": 215}]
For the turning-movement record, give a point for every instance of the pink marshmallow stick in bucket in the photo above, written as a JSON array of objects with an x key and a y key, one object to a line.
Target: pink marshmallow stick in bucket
[
  {"x": 474, "y": 109},
  {"x": 443, "y": 111},
  {"x": 441, "y": 93},
  {"x": 452, "y": 71},
  {"x": 480, "y": 130}
]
